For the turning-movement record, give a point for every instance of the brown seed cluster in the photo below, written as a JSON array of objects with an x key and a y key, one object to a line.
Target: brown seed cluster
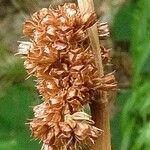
[{"x": 60, "y": 57}]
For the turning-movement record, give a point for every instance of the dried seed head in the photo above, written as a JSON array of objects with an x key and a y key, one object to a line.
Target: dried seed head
[
  {"x": 103, "y": 31},
  {"x": 24, "y": 47},
  {"x": 62, "y": 60},
  {"x": 74, "y": 131}
]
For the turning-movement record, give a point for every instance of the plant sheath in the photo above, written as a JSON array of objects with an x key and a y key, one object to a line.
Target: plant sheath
[{"x": 100, "y": 107}]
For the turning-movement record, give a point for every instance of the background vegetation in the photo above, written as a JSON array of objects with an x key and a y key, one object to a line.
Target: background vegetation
[{"x": 130, "y": 32}]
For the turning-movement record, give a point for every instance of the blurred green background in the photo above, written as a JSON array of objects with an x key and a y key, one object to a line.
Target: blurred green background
[{"x": 129, "y": 22}]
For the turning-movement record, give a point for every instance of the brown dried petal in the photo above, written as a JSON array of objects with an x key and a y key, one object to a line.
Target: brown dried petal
[
  {"x": 29, "y": 27},
  {"x": 103, "y": 30},
  {"x": 59, "y": 45}
]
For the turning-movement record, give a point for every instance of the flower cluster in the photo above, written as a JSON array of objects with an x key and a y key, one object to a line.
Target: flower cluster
[{"x": 61, "y": 58}]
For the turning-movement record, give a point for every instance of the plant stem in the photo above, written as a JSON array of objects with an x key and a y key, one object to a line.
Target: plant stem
[{"x": 100, "y": 107}]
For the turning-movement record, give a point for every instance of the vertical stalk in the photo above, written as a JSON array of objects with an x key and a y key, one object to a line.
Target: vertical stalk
[{"x": 100, "y": 107}]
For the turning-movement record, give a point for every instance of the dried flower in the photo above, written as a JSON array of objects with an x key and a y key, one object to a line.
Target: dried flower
[
  {"x": 103, "y": 30},
  {"x": 60, "y": 57},
  {"x": 24, "y": 47}
]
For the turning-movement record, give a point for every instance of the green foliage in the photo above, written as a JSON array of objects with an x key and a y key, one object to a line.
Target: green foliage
[
  {"x": 135, "y": 121},
  {"x": 14, "y": 111},
  {"x": 131, "y": 24},
  {"x": 16, "y": 97},
  {"x": 115, "y": 123},
  {"x": 140, "y": 38},
  {"x": 121, "y": 30},
  {"x": 12, "y": 68}
]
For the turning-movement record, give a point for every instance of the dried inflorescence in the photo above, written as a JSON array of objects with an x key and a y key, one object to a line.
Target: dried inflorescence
[{"x": 60, "y": 57}]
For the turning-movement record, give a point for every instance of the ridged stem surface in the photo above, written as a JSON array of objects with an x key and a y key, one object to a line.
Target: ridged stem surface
[{"x": 99, "y": 108}]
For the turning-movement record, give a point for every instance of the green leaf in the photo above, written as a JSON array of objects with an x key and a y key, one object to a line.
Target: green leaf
[
  {"x": 127, "y": 136},
  {"x": 140, "y": 46},
  {"x": 14, "y": 111},
  {"x": 14, "y": 106},
  {"x": 143, "y": 140},
  {"x": 121, "y": 29},
  {"x": 12, "y": 68},
  {"x": 8, "y": 145}
]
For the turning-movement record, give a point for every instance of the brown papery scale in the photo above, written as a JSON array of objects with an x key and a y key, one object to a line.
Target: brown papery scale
[{"x": 59, "y": 55}]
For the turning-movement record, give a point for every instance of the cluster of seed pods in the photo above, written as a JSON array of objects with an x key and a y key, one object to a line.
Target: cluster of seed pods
[{"x": 59, "y": 55}]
